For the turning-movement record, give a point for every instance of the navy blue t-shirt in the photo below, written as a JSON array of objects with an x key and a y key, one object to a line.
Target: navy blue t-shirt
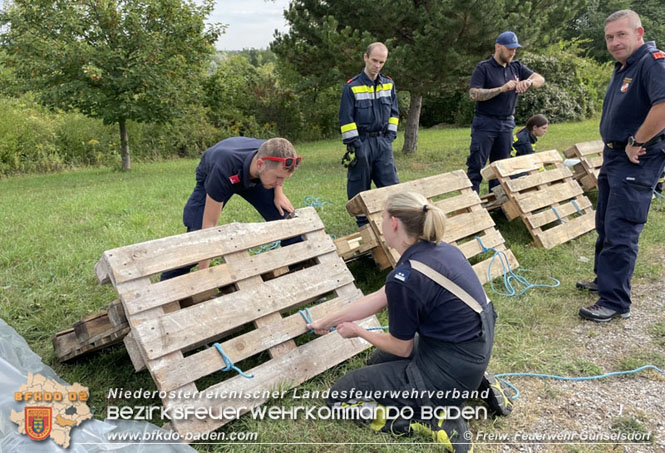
[
  {"x": 632, "y": 92},
  {"x": 418, "y": 304},
  {"x": 224, "y": 167},
  {"x": 490, "y": 74}
]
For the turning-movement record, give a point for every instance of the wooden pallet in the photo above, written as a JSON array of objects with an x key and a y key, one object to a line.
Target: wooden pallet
[
  {"x": 590, "y": 155},
  {"x": 467, "y": 219},
  {"x": 263, "y": 304},
  {"x": 547, "y": 199},
  {"x": 494, "y": 199},
  {"x": 92, "y": 333}
]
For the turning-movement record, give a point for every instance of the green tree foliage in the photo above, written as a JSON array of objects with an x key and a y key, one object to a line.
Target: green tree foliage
[
  {"x": 434, "y": 45},
  {"x": 589, "y": 23},
  {"x": 117, "y": 60}
]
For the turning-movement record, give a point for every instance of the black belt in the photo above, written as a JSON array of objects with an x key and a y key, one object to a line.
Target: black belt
[
  {"x": 372, "y": 134},
  {"x": 622, "y": 145}
]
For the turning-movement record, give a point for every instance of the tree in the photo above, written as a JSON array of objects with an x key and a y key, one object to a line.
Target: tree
[
  {"x": 434, "y": 44},
  {"x": 117, "y": 60},
  {"x": 589, "y": 23}
]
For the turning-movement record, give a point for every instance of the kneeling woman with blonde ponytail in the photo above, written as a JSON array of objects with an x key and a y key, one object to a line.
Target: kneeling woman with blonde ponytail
[{"x": 441, "y": 328}]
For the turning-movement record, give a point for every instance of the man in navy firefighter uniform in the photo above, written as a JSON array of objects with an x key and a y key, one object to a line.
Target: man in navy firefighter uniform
[
  {"x": 368, "y": 116},
  {"x": 495, "y": 84},
  {"x": 252, "y": 168},
  {"x": 633, "y": 129}
]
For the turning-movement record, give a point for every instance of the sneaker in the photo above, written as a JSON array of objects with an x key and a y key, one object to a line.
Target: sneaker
[
  {"x": 499, "y": 396},
  {"x": 599, "y": 313},
  {"x": 453, "y": 434},
  {"x": 588, "y": 286}
]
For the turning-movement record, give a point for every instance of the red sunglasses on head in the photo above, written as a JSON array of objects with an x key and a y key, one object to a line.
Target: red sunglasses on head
[{"x": 288, "y": 162}]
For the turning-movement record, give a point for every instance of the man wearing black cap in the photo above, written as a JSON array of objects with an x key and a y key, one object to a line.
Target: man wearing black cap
[{"x": 495, "y": 84}]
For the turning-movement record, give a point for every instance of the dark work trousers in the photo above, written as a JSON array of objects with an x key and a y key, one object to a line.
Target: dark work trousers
[
  {"x": 490, "y": 138},
  {"x": 375, "y": 163},
  {"x": 465, "y": 364},
  {"x": 624, "y": 197},
  {"x": 258, "y": 196}
]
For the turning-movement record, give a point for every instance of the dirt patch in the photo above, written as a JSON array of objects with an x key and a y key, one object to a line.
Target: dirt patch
[{"x": 588, "y": 416}]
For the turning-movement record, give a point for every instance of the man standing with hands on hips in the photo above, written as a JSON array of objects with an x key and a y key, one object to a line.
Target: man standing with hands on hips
[
  {"x": 494, "y": 87},
  {"x": 632, "y": 127},
  {"x": 368, "y": 116}
]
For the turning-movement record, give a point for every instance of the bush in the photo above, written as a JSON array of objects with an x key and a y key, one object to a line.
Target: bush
[{"x": 574, "y": 90}]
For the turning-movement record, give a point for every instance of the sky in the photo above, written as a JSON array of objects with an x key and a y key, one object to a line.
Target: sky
[{"x": 251, "y": 23}]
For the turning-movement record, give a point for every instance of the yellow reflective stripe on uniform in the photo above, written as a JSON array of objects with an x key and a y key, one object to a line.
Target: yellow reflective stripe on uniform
[
  {"x": 393, "y": 120},
  {"x": 348, "y": 127},
  {"x": 514, "y": 138},
  {"x": 513, "y": 151},
  {"x": 370, "y": 89}
]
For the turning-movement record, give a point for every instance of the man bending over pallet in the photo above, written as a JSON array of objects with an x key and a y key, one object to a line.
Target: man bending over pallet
[{"x": 252, "y": 168}]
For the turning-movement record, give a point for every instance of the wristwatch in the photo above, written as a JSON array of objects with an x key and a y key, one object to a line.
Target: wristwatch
[{"x": 633, "y": 142}]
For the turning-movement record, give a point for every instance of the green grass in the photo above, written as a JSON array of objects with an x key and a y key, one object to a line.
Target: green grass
[{"x": 54, "y": 228}]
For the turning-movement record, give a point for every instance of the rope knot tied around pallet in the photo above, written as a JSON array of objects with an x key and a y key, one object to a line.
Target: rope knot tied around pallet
[
  {"x": 229, "y": 363},
  {"x": 509, "y": 276},
  {"x": 307, "y": 316}
]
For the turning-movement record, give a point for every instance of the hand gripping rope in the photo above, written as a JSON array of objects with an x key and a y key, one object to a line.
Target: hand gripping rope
[
  {"x": 509, "y": 276},
  {"x": 307, "y": 316}
]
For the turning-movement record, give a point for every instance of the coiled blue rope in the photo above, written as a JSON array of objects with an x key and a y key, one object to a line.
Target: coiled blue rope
[
  {"x": 509, "y": 276},
  {"x": 229, "y": 363},
  {"x": 564, "y": 378},
  {"x": 307, "y": 316},
  {"x": 315, "y": 202}
]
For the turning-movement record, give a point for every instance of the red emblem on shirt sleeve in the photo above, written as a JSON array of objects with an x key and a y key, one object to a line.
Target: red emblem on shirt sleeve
[
  {"x": 658, "y": 55},
  {"x": 234, "y": 179}
]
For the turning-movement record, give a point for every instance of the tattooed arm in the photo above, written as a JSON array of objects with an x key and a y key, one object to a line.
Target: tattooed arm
[{"x": 484, "y": 94}]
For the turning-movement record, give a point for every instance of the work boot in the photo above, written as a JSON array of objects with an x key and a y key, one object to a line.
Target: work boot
[
  {"x": 587, "y": 285},
  {"x": 599, "y": 313},
  {"x": 499, "y": 396},
  {"x": 453, "y": 433}
]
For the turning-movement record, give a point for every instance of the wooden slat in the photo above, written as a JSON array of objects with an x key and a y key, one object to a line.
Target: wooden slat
[
  {"x": 537, "y": 179},
  {"x": 497, "y": 268},
  {"x": 543, "y": 218},
  {"x": 473, "y": 248},
  {"x": 566, "y": 231},
  {"x": 239, "y": 348},
  {"x": 356, "y": 244},
  {"x": 375, "y": 200},
  {"x": 585, "y": 148},
  {"x": 212, "y": 318},
  {"x": 521, "y": 164},
  {"x": 546, "y": 197},
  {"x": 174, "y": 289},
  {"x": 595, "y": 162},
  {"x": 464, "y": 200},
  {"x": 287, "y": 371},
  {"x": 152, "y": 257}
]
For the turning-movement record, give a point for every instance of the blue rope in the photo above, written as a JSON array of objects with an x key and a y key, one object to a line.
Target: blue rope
[
  {"x": 509, "y": 276},
  {"x": 315, "y": 202},
  {"x": 265, "y": 248},
  {"x": 307, "y": 316},
  {"x": 229, "y": 363},
  {"x": 658, "y": 194},
  {"x": 579, "y": 211},
  {"x": 557, "y": 215},
  {"x": 564, "y": 378}
]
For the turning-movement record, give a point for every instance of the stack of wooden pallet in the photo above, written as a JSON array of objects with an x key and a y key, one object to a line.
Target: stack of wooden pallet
[
  {"x": 92, "y": 333},
  {"x": 545, "y": 196},
  {"x": 467, "y": 221},
  {"x": 254, "y": 308},
  {"x": 590, "y": 155}
]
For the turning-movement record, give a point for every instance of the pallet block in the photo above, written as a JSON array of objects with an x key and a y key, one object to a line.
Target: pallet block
[
  {"x": 494, "y": 199},
  {"x": 92, "y": 333},
  {"x": 590, "y": 155},
  {"x": 547, "y": 198},
  {"x": 467, "y": 219},
  {"x": 263, "y": 304}
]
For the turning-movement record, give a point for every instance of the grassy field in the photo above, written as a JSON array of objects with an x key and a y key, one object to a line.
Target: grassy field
[{"x": 55, "y": 227}]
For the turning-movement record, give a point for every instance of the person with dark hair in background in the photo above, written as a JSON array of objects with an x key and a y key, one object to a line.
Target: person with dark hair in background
[{"x": 524, "y": 142}]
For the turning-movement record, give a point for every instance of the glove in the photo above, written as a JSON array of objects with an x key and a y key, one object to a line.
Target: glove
[{"x": 349, "y": 160}]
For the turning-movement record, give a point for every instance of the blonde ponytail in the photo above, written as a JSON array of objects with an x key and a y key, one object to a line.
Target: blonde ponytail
[{"x": 420, "y": 218}]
